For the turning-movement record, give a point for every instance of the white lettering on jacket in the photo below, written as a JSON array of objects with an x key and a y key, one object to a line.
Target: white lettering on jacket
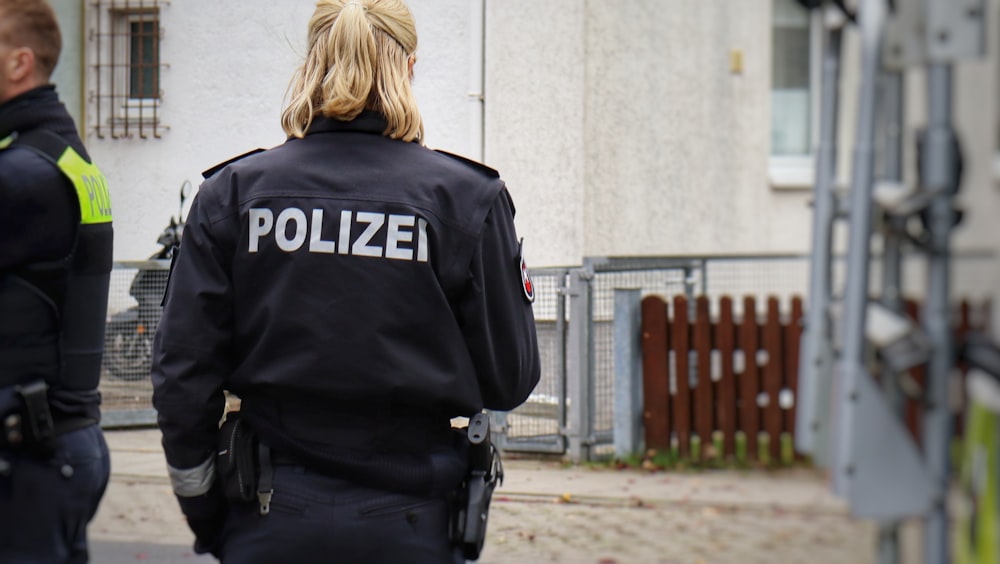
[{"x": 405, "y": 236}]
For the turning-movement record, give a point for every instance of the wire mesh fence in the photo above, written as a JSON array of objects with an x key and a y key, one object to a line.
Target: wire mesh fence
[
  {"x": 540, "y": 425},
  {"x": 974, "y": 277},
  {"x": 134, "y": 298}
]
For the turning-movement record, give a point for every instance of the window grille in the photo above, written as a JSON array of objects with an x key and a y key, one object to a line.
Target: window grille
[{"x": 125, "y": 94}]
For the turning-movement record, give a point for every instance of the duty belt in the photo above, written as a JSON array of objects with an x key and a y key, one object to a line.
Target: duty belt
[{"x": 353, "y": 427}]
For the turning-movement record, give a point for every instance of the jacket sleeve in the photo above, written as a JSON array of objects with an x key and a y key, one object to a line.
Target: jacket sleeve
[
  {"x": 496, "y": 316},
  {"x": 192, "y": 352}
]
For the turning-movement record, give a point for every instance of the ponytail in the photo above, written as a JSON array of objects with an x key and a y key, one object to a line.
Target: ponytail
[{"x": 358, "y": 59}]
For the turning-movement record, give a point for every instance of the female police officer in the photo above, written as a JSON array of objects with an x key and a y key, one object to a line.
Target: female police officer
[{"x": 357, "y": 291}]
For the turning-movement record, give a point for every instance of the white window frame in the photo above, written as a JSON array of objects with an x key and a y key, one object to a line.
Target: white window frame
[{"x": 798, "y": 172}]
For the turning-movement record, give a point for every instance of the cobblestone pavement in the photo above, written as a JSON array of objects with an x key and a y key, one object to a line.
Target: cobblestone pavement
[
  {"x": 605, "y": 516},
  {"x": 549, "y": 512},
  {"x": 539, "y": 530}
]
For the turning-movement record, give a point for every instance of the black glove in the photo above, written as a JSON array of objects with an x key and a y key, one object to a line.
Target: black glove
[{"x": 206, "y": 515}]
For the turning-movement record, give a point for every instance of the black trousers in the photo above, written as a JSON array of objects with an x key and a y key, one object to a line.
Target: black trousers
[
  {"x": 317, "y": 518},
  {"x": 45, "y": 505}
]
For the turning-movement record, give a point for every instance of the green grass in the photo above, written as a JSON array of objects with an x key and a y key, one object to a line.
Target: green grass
[{"x": 673, "y": 460}]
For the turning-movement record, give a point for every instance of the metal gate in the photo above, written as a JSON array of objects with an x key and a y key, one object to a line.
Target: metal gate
[
  {"x": 571, "y": 410},
  {"x": 539, "y": 425}
]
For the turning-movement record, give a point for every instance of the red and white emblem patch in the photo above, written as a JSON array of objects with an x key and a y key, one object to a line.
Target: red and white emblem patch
[{"x": 526, "y": 283}]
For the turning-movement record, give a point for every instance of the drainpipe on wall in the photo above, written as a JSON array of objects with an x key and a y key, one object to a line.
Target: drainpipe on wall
[
  {"x": 84, "y": 45},
  {"x": 477, "y": 52},
  {"x": 477, "y": 55}
]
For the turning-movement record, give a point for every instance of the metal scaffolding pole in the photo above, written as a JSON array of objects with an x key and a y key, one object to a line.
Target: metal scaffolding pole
[
  {"x": 816, "y": 361},
  {"x": 939, "y": 178},
  {"x": 850, "y": 366},
  {"x": 891, "y": 113}
]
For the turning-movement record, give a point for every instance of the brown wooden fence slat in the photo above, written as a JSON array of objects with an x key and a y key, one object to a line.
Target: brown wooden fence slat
[
  {"x": 725, "y": 333},
  {"x": 672, "y": 410},
  {"x": 704, "y": 403},
  {"x": 679, "y": 337},
  {"x": 773, "y": 418},
  {"x": 793, "y": 338},
  {"x": 748, "y": 381},
  {"x": 655, "y": 374}
]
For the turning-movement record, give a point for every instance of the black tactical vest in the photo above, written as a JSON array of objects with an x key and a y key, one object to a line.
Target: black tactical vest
[{"x": 52, "y": 314}]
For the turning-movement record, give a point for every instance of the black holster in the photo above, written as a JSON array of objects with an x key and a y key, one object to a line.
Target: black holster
[
  {"x": 472, "y": 499},
  {"x": 243, "y": 464},
  {"x": 30, "y": 424}
]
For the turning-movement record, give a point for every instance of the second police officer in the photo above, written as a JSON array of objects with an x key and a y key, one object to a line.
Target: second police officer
[
  {"x": 56, "y": 240},
  {"x": 357, "y": 291}
]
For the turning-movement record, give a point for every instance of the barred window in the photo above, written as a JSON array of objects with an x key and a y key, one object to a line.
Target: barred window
[{"x": 125, "y": 92}]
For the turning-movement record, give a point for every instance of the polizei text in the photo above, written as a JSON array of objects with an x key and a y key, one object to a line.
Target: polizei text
[{"x": 359, "y": 233}]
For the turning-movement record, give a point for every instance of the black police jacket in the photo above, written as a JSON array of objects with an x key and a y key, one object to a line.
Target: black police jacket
[
  {"x": 342, "y": 285},
  {"x": 55, "y": 254}
]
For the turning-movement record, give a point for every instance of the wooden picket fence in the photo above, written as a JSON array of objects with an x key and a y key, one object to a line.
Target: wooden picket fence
[{"x": 744, "y": 370}]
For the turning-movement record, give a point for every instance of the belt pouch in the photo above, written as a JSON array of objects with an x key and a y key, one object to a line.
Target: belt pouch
[{"x": 236, "y": 461}]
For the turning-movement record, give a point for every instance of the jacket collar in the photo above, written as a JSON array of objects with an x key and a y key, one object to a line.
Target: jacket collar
[
  {"x": 367, "y": 122},
  {"x": 29, "y": 110},
  {"x": 39, "y": 108}
]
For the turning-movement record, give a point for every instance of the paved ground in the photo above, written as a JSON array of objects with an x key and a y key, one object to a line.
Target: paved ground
[{"x": 547, "y": 512}]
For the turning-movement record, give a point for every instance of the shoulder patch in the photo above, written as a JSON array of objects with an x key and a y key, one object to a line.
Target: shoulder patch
[
  {"x": 526, "y": 284},
  {"x": 474, "y": 164},
  {"x": 209, "y": 172}
]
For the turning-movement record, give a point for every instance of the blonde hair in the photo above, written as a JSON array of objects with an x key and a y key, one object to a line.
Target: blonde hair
[{"x": 359, "y": 58}]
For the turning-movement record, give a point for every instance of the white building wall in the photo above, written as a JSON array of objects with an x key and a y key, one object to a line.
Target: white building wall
[
  {"x": 535, "y": 121},
  {"x": 678, "y": 142},
  {"x": 625, "y": 128},
  {"x": 620, "y": 127}
]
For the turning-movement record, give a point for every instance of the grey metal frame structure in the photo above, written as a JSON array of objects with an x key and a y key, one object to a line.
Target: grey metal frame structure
[
  {"x": 817, "y": 337},
  {"x": 847, "y": 419}
]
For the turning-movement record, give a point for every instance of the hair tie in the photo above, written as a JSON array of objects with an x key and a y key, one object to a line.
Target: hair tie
[{"x": 358, "y": 4}]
